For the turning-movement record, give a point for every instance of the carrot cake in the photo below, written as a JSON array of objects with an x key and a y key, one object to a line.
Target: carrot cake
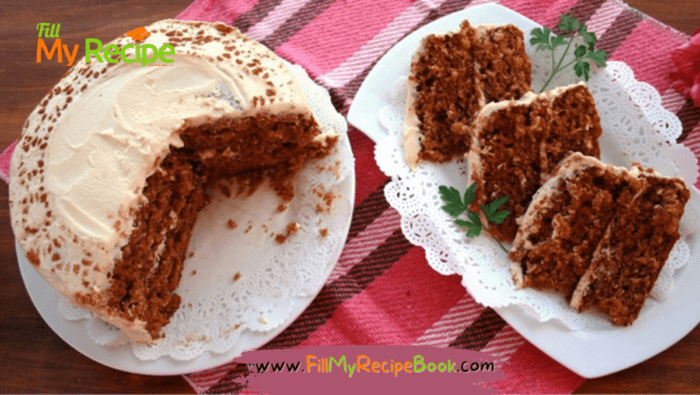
[
  {"x": 599, "y": 235},
  {"x": 113, "y": 165},
  {"x": 516, "y": 145},
  {"x": 453, "y": 75}
]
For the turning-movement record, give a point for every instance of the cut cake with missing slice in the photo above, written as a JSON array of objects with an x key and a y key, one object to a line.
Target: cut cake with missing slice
[
  {"x": 453, "y": 75},
  {"x": 115, "y": 163},
  {"x": 599, "y": 235},
  {"x": 516, "y": 145}
]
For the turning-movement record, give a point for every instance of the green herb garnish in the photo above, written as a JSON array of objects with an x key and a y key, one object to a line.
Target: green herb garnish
[
  {"x": 544, "y": 39},
  {"x": 456, "y": 205}
]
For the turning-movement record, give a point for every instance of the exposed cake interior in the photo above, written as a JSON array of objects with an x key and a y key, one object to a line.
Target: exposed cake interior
[
  {"x": 517, "y": 144},
  {"x": 452, "y": 76},
  {"x": 558, "y": 242},
  {"x": 599, "y": 235},
  {"x": 446, "y": 92},
  {"x": 143, "y": 281},
  {"x": 503, "y": 68},
  {"x": 633, "y": 251}
]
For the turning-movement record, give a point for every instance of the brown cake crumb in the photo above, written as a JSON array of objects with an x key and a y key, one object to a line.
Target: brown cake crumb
[
  {"x": 194, "y": 272},
  {"x": 335, "y": 168},
  {"x": 231, "y": 224},
  {"x": 323, "y": 232},
  {"x": 225, "y": 189},
  {"x": 237, "y": 276},
  {"x": 292, "y": 228},
  {"x": 327, "y": 198}
]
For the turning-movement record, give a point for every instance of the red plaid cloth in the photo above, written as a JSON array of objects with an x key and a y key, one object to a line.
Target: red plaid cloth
[{"x": 382, "y": 290}]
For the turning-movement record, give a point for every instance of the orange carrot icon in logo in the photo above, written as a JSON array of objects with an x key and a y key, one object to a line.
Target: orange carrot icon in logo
[{"x": 138, "y": 34}]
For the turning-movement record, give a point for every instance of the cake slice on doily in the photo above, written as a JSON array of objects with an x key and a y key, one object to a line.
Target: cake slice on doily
[
  {"x": 599, "y": 235},
  {"x": 516, "y": 145},
  {"x": 453, "y": 75}
]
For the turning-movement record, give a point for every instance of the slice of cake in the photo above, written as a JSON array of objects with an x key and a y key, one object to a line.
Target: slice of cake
[
  {"x": 599, "y": 235},
  {"x": 517, "y": 144},
  {"x": 113, "y": 165},
  {"x": 633, "y": 251},
  {"x": 565, "y": 221},
  {"x": 452, "y": 76}
]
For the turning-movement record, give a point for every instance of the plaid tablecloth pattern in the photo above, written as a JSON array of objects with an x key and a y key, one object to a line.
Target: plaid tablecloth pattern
[{"x": 382, "y": 291}]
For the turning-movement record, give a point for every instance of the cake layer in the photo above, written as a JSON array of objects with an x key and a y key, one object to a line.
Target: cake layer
[
  {"x": 633, "y": 251},
  {"x": 565, "y": 222},
  {"x": 503, "y": 68},
  {"x": 144, "y": 278},
  {"x": 112, "y": 166},
  {"x": 452, "y": 76},
  {"x": 517, "y": 144},
  {"x": 276, "y": 145},
  {"x": 599, "y": 235}
]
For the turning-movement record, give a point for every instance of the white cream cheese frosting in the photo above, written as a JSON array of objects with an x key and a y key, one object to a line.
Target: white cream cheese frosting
[{"x": 88, "y": 148}]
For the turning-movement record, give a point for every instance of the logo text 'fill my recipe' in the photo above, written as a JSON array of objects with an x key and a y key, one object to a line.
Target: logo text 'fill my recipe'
[{"x": 144, "y": 54}]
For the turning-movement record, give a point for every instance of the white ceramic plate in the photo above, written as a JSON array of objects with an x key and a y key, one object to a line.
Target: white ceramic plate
[
  {"x": 75, "y": 333},
  {"x": 588, "y": 354}
]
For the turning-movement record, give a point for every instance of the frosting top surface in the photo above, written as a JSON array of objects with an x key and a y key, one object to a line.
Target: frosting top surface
[{"x": 106, "y": 146}]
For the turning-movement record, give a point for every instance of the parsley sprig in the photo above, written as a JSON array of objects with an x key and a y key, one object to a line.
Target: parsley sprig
[
  {"x": 583, "y": 54},
  {"x": 456, "y": 205}
]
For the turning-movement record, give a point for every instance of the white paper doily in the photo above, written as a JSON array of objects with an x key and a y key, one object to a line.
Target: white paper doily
[
  {"x": 240, "y": 277},
  {"x": 635, "y": 128}
]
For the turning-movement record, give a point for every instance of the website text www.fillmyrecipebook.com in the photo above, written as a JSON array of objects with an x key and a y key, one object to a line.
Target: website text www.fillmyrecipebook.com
[{"x": 417, "y": 364}]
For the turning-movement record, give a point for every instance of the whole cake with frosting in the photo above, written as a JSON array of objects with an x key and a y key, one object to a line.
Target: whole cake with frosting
[
  {"x": 599, "y": 235},
  {"x": 114, "y": 164},
  {"x": 453, "y": 75},
  {"x": 516, "y": 144}
]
